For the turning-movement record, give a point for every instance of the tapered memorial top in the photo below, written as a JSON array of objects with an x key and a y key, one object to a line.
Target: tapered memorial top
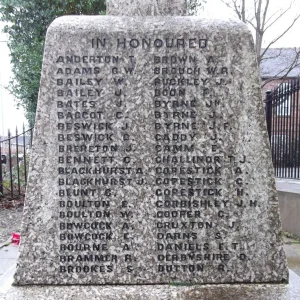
[{"x": 146, "y": 7}]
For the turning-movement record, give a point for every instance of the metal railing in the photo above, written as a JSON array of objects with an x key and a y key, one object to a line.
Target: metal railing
[
  {"x": 283, "y": 124},
  {"x": 14, "y": 154}
]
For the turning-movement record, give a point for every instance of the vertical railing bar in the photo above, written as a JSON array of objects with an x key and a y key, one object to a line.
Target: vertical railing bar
[
  {"x": 275, "y": 142},
  {"x": 274, "y": 132},
  {"x": 1, "y": 175},
  {"x": 277, "y": 132},
  {"x": 291, "y": 129},
  {"x": 10, "y": 164},
  {"x": 288, "y": 113},
  {"x": 291, "y": 159},
  {"x": 283, "y": 132},
  {"x": 297, "y": 127},
  {"x": 18, "y": 167},
  {"x": 286, "y": 131},
  {"x": 292, "y": 114},
  {"x": 269, "y": 114},
  {"x": 269, "y": 120},
  {"x": 280, "y": 132}
]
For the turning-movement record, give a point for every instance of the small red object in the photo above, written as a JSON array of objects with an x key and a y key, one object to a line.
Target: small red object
[{"x": 15, "y": 239}]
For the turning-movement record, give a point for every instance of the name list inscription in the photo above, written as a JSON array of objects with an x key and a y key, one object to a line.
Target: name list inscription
[{"x": 102, "y": 165}]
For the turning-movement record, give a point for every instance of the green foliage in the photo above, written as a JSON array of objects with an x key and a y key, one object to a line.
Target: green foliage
[
  {"x": 195, "y": 6},
  {"x": 28, "y": 21}
]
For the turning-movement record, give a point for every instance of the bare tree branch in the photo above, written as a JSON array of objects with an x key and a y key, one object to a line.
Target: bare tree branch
[
  {"x": 236, "y": 9},
  {"x": 239, "y": 8},
  {"x": 273, "y": 22},
  {"x": 243, "y": 11},
  {"x": 278, "y": 37},
  {"x": 259, "y": 18},
  {"x": 287, "y": 70},
  {"x": 265, "y": 15},
  {"x": 272, "y": 57},
  {"x": 251, "y": 24}
]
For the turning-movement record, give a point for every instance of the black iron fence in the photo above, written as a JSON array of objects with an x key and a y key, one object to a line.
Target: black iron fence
[
  {"x": 14, "y": 153},
  {"x": 282, "y": 115}
]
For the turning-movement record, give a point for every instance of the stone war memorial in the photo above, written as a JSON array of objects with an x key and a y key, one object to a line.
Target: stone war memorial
[{"x": 151, "y": 175}]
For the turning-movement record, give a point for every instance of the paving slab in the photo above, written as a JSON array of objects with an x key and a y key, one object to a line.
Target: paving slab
[
  {"x": 8, "y": 257},
  {"x": 288, "y": 185}
]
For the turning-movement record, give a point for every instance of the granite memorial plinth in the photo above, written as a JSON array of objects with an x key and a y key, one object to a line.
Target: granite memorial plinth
[{"x": 150, "y": 161}]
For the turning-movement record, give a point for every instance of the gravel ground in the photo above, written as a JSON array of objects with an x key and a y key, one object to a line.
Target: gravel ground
[{"x": 10, "y": 221}]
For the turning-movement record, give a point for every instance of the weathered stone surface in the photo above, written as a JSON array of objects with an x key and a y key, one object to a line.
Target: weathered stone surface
[
  {"x": 147, "y": 7},
  {"x": 158, "y": 124},
  {"x": 289, "y": 291}
]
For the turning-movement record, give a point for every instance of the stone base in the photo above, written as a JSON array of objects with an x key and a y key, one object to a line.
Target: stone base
[{"x": 289, "y": 291}]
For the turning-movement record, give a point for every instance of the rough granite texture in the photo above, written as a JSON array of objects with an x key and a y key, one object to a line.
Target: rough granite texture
[
  {"x": 181, "y": 139},
  {"x": 289, "y": 291},
  {"x": 146, "y": 7}
]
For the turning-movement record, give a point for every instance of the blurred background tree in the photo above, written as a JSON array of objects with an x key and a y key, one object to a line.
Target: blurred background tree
[{"x": 27, "y": 23}]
